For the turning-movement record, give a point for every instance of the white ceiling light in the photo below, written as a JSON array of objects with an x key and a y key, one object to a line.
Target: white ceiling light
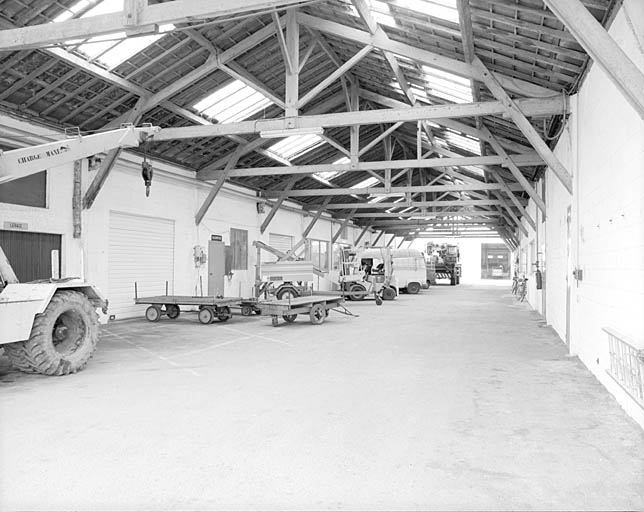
[{"x": 278, "y": 134}]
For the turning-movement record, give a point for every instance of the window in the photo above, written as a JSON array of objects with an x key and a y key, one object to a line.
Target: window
[
  {"x": 239, "y": 246},
  {"x": 27, "y": 191},
  {"x": 317, "y": 251},
  {"x": 296, "y": 145},
  {"x": 233, "y": 102},
  {"x": 337, "y": 255}
]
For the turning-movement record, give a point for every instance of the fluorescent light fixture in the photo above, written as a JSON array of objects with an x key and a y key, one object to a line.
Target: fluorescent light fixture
[{"x": 277, "y": 134}]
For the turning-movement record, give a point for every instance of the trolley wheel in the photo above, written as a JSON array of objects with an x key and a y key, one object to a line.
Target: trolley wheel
[
  {"x": 206, "y": 315},
  {"x": 246, "y": 310},
  {"x": 290, "y": 318},
  {"x": 378, "y": 300},
  {"x": 388, "y": 293},
  {"x": 153, "y": 313},
  {"x": 317, "y": 314},
  {"x": 223, "y": 313},
  {"x": 413, "y": 288},
  {"x": 275, "y": 320},
  {"x": 172, "y": 310}
]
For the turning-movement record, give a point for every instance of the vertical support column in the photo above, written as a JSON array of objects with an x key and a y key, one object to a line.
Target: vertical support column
[
  {"x": 77, "y": 200},
  {"x": 292, "y": 71},
  {"x": 355, "y": 130}
]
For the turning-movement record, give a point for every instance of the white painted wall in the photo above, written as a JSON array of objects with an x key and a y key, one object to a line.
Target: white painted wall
[{"x": 603, "y": 147}]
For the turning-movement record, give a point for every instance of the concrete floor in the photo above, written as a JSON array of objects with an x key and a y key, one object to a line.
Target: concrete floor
[{"x": 459, "y": 398}]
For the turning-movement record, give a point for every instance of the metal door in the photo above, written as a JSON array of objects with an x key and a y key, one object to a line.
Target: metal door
[
  {"x": 32, "y": 255},
  {"x": 141, "y": 250},
  {"x": 216, "y": 267}
]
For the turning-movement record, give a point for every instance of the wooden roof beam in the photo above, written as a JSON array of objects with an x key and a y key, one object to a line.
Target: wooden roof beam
[
  {"x": 148, "y": 21},
  {"x": 529, "y": 159},
  {"x": 425, "y": 57},
  {"x": 603, "y": 49},
  {"x": 381, "y": 190},
  {"x": 529, "y": 107}
]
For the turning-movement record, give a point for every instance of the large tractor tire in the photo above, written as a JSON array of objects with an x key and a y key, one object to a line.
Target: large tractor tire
[{"x": 63, "y": 337}]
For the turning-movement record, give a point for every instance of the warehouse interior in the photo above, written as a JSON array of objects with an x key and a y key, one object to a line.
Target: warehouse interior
[{"x": 187, "y": 145}]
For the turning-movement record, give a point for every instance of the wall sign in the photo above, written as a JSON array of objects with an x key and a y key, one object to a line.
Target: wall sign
[
  {"x": 216, "y": 238},
  {"x": 16, "y": 225}
]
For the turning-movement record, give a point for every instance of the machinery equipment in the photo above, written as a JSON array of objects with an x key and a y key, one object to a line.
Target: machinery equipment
[
  {"x": 51, "y": 326},
  {"x": 409, "y": 269},
  {"x": 443, "y": 262},
  {"x": 284, "y": 278},
  {"x": 368, "y": 271}
]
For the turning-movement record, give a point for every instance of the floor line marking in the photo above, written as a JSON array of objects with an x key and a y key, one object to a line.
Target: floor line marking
[
  {"x": 164, "y": 359},
  {"x": 258, "y": 336},
  {"x": 223, "y": 344}
]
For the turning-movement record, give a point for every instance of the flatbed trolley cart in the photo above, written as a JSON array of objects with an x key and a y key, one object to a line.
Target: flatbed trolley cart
[
  {"x": 317, "y": 307},
  {"x": 210, "y": 308}
]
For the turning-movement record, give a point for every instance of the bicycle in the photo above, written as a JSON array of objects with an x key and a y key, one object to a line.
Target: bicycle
[
  {"x": 522, "y": 288},
  {"x": 515, "y": 284}
]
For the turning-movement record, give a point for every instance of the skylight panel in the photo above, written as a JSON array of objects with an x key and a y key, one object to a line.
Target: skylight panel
[
  {"x": 443, "y": 9},
  {"x": 464, "y": 142},
  {"x": 380, "y": 12},
  {"x": 71, "y": 11},
  {"x": 447, "y": 85},
  {"x": 366, "y": 183},
  {"x": 233, "y": 102},
  {"x": 109, "y": 49},
  {"x": 377, "y": 199},
  {"x": 296, "y": 145},
  {"x": 475, "y": 170}
]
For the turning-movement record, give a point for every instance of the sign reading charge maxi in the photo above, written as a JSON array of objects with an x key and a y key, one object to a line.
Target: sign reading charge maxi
[{"x": 46, "y": 154}]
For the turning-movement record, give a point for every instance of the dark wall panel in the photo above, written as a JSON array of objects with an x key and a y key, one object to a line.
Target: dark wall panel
[{"x": 30, "y": 253}]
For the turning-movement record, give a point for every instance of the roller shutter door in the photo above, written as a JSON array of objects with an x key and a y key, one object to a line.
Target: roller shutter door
[
  {"x": 282, "y": 243},
  {"x": 141, "y": 250}
]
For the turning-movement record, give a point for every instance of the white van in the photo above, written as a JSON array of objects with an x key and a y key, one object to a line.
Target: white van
[{"x": 409, "y": 270}]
